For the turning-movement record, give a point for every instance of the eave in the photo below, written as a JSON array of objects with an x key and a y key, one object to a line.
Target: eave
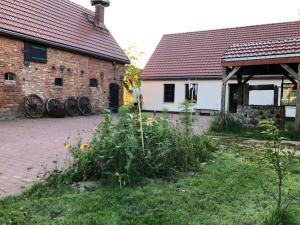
[
  {"x": 160, "y": 78},
  {"x": 56, "y": 45},
  {"x": 261, "y": 60}
]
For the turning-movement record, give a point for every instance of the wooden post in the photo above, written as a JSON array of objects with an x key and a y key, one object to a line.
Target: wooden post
[
  {"x": 276, "y": 96},
  {"x": 245, "y": 94},
  {"x": 141, "y": 123},
  {"x": 297, "y": 120},
  {"x": 223, "y": 96},
  {"x": 240, "y": 89}
]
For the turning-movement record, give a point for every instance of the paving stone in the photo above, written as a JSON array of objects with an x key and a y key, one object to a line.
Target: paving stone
[{"x": 30, "y": 146}]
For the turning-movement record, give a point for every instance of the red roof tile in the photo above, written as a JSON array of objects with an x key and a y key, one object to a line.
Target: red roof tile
[
  {"x": 59, "y": 22},
  {"x": 263, "y": 49},
  {"x": 199, "y": 54}
]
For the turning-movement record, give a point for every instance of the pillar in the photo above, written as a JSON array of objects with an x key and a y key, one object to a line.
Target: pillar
[
  {"x": 297, "y": 120},
  {"x": 223, "y": 95},
  {"x": 240, "y": 89}
]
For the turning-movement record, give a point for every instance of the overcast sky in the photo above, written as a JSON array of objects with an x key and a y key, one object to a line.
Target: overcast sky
[{"x": 142, "y": 23}]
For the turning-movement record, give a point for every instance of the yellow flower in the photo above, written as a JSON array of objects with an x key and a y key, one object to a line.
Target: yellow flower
[
  {"x": 95, "y": 129},
  {"x": 83, "y": 147},
  {"x": 150, "y": 121},
  {"x": 67, "y": 146},
  {"x": 90, "y": 149}
]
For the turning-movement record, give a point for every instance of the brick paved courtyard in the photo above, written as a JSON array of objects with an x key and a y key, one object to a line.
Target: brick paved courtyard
[{"x": 29, "y": 148}]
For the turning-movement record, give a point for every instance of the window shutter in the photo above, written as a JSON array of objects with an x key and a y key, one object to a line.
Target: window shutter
[
  {"x": 27, "y": 51},
  {"x": 187, "y": 92},
  {"x": 39, "y": 54},
  {"x": 35, "y": 53}
]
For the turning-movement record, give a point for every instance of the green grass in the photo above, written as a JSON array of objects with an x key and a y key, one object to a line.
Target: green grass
[
  {"x": 225, "y": 191},
  {"x": 238, "y": 130}
]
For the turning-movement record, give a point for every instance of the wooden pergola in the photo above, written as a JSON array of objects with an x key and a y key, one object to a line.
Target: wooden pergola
[{"x": 265, "y": 59}]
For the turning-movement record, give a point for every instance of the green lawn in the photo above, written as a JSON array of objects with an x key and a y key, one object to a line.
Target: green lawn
[
  {"x": 238, "y": 130},
  {"x": 225, "y": 191}
]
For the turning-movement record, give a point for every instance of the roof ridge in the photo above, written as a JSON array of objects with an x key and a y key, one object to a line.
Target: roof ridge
[{"x": 233, "y": 28}]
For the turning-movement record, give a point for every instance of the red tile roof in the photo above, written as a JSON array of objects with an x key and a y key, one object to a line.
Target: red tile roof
[
  {"x": 58, "y": 23},
  {"x": 264, "y": 49},
  {"x": 199, "y": 54}
]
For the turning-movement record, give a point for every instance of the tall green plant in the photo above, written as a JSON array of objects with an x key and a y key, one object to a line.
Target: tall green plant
[
  {"x": 187, "y": 117},
  {"x": 279, "y": 158}
]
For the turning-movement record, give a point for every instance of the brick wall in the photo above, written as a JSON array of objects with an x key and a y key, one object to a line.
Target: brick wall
[{"x": 37, "y": 78}]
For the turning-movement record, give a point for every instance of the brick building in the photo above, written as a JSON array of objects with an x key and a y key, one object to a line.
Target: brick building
[{"x": 57, "y": 49}]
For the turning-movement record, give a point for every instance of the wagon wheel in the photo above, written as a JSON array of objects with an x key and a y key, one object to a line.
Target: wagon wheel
[
  {"x": 71, "y": 107},
  {"x": 84, "y": 106},
  {"x": 34, "y": 106},
  {"x": 53, "y": 104}
]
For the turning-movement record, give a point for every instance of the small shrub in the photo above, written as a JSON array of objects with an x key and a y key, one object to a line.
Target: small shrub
[
  {"x": 276, "y": 217},
  {"x": 187, "y": 153},
  {"x": 279, "y": 158},
  {"x": 115, "y": 149},
  {"x": 218, "y": 124},
  {"x": 290, "y": 131}
]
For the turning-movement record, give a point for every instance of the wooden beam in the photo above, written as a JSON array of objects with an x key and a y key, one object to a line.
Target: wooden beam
[
  {"x": 223, "y": 95},
  {"x": 240, "y": 89},
  {"x": 262, "y": 87},
  {"x": 246, "y": 95},
  {"x": 297, "y": 120},
  {"x": 247, "y": 79},
  {"x": 232, "y": 73},
  {"x": 276, "y": 94},
  {"x": 292, "y": 79},
  {"x": 291, "y": 72}
]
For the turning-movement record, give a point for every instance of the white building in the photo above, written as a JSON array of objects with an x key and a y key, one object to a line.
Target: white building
[{"x": 193, "y": 60}]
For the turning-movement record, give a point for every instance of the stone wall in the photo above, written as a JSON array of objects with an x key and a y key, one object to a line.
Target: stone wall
[
  {"x": 253, "y": 114},
  {"x": 37, "y": 78}
]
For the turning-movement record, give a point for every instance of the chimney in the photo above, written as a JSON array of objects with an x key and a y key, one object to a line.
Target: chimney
[{"x": 99, "y": 12}]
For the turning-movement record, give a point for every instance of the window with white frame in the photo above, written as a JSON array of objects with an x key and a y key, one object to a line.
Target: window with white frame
[
  {"x": 10, "y": 76},
  {"x": 191, "y": 92}
]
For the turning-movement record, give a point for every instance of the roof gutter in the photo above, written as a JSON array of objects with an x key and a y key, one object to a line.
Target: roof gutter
[{"x": 25, "y": 37}]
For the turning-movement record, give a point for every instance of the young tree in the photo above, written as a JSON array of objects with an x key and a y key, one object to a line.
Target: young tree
[
  {"x": 279, "y": 158},
  {"x": 132, "y": 73},
  {"x": 187, "y": 118}
]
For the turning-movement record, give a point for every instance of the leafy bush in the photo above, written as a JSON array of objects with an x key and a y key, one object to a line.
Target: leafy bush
[
  {"x": 232, "y": 127},
  {"x": 290, "y": 131},
  {"x": 219, "y": 124},
  {"x": 115, "y": 149}
]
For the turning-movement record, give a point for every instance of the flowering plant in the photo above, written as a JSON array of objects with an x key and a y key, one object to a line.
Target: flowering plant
[{"x": 117, "y": 151}]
